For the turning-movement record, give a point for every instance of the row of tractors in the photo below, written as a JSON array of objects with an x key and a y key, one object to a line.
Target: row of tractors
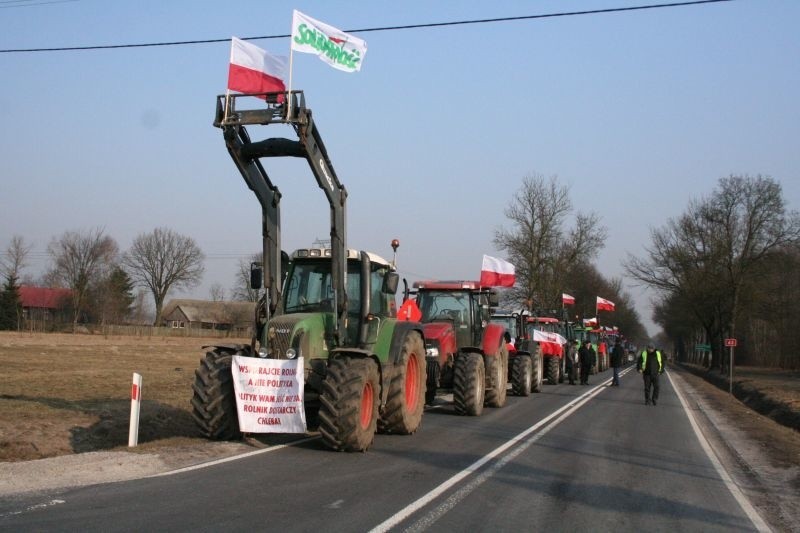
[{"x": 365, "y": 370}]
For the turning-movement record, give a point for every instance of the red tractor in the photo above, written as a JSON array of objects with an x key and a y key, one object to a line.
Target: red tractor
[
  {"x": 525, "y": 369},
  {"x": 544, "y": 336},
  {"x": 465, "y": 352}
]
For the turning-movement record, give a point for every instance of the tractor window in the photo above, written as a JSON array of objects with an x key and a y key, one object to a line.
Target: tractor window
[
  {"x": 309, "y": 288},
  {"x": 445, "y": 305},
  {"x": 379, "y": 302}
]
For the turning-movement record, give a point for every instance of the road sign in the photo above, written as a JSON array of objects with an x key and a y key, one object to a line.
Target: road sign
[
  {"x": 730, "y": 342},
  {"x": 702, "y": 347}
]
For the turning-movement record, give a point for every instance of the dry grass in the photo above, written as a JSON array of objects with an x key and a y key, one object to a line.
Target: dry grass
[{"x": 62, "y": 394}]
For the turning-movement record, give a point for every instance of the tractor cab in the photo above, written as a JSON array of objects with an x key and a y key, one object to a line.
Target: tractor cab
[
  {"x": 306, "y": 323},
  {"x": 461, "y": 303}
]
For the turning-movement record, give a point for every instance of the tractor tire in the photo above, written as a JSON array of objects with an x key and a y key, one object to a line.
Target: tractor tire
[
  {"x": 432, "y": 383},
  {"x": 552, "y": 370},
  {"x": 497, "y": 371},
  {"x": 469, "y": 384},
  {"x": 348, "y": 412},
  {"x": 562, "y": 371},
  {"x": 403, "y": 412},
  {"x": 538, "y": 373},
  {"x": 521, "y": 375},
  {"x": 214, "y": 401}
]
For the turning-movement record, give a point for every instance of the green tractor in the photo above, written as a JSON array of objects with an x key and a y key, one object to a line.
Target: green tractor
[{"x": 364, "y": 371}]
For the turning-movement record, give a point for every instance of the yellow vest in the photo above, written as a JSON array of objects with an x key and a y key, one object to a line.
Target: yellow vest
[{"x": 644, "y": 360}]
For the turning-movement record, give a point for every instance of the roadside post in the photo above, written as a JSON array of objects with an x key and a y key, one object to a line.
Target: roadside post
[
  {"x": 136, "y": 402},
  {"x": 731, "y": 343}
]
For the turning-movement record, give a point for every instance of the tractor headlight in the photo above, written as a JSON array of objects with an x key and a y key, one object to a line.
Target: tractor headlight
[
  {"x": 262, "y": 352},
  {"x": 432, "y": 352},
  {"x": 291, "y": 353}
]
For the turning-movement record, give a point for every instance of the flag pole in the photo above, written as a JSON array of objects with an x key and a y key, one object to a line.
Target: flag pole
[{"x": 289, "y": 95}]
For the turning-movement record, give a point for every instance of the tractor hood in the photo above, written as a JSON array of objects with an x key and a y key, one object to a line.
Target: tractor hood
[{"x": 304, "y": 333}]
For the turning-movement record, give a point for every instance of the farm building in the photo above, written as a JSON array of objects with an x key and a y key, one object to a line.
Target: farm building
[
  {"x": 42, "y": 306},
  {"x": 208, "y": 315}
]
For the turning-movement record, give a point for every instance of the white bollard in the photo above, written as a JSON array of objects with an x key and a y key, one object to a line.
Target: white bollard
[{"x": 136, "y": 402}]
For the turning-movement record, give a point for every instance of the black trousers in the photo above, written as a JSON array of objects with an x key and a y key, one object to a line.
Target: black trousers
[
  {"x": 585, "y": 370},
  {"x": 572, "y": 371},
  {"x": 650, "y": 382}
]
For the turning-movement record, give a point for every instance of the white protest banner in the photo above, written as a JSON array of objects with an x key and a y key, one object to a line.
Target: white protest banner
[{"x": 269, "y": 394}]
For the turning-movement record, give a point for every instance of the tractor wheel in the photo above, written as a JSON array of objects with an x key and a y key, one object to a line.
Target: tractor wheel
[
  {"x": 432, "y": 383},
  {"x": 497, "y": 370},
  {"x": 469, "y": 384},
  {"x": 403, "y": 412},
  {"x": 538, "y": 373},
  {"x": 348, "y": 410},
  {"x": 213, "y": 401},
  {"x": 552, "y": 370},
  {"x": 521, "y": 375},
  {"x": 562, "y": 371}
]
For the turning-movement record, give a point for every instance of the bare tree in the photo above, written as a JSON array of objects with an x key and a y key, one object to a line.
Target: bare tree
[
  {"x": 217, "y": 292},
  {"x": 541, "y": 245},
  {"x": 241, "y": 290},
  {"x": 14, "y": 259},
  {"x": 162, "y": 260},
  {"x": 80, "y": 259}
]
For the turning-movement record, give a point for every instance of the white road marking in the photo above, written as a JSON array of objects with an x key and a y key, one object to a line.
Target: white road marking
[
  {"x": 36, "y": 507},
  {"x": 522, "y": 441},
  {"x": 335, "y": 505},
  {"x": 734, "y": 489},
  {"x": 233, "y": 458}
]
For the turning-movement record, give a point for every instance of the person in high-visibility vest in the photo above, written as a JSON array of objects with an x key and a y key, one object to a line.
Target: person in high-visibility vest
[{"x": 651, "y": 367}]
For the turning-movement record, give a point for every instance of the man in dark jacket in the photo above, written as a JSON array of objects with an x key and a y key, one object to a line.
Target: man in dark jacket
[
  {"x": 586, "y": 356},
  {"x": 617, "y": 356},
  {"x": 572, "y": 361},
  {"x": 651, "y": 367}
]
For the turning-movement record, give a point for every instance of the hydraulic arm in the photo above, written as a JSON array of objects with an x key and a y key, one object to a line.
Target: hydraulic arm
[{"x": 246, "y": 155}]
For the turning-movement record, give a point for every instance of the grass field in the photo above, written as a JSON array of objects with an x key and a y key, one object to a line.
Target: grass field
[{"x": 62, "y": 393}]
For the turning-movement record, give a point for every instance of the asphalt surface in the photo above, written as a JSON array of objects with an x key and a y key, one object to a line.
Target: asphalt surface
[{"x": 572, "y": 458}]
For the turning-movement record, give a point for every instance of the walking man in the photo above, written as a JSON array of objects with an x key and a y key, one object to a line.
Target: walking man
[
  {"x": 617, "y": 355},
  {"x": 587, "y": 359},
  {"x": 572, "y": 361},
  {"x": 651, "y": 367}
]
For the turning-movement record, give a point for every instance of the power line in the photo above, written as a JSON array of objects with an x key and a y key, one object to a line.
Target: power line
[
  {"x": 381, "y": 28},
  {"x": 10, "y": 4}
]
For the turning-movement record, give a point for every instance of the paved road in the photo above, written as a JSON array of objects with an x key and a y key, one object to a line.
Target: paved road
[{"x": 572, "y": 458}]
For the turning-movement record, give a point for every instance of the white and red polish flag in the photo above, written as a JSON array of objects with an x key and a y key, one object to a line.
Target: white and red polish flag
[
  {"x": 566, "y": 299},
  {"x": 497, "y": 273},
  {"x": 253, "y": 70},
  {"x": 604, "y": 305}
]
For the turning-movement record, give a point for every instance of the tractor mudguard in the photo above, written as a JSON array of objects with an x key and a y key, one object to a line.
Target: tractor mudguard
[
  {"x": 240, "y": 349},
  {"x": 492, "y": 337},
  {"x": 399, "y": 334}
]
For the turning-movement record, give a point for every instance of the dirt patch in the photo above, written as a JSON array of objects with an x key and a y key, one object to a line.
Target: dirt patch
[{"x": 64, "y": 394}]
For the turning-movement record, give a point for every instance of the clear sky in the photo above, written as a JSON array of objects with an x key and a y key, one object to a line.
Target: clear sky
[{"x": 638, "y": 112}]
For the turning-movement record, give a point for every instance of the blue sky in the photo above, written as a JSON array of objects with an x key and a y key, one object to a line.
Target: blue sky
[{"x": 637, "y": 112}]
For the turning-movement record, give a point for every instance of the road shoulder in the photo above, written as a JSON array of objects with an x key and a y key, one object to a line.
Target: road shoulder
[{"x": 762, "y": 456}]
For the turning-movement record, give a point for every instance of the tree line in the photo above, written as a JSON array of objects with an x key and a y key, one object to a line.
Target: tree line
[
  {"x": 727, "y": 267},
  {"x": 100, "y": 278}
]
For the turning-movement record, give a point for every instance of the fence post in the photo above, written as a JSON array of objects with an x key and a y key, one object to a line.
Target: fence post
[{"x": 136, "y": 402}]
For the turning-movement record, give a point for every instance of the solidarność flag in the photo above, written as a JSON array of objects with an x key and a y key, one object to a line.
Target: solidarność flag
[
  {"x": 497, "y": 273},
  {"x": 340, "y": 50},
  {"x": 253, "y": 70},
  {"x": 566, "y": 299},
  {"x": 604, "y": 305}
]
